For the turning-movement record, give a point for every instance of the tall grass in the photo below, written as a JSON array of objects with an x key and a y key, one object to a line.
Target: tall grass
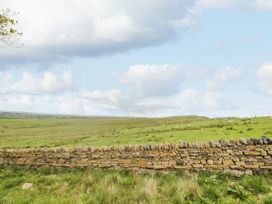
[{"x": 82, "y": 186}]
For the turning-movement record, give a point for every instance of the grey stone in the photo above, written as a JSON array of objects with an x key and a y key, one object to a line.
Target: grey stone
[
  {"x": 243, "y": 141},
  {"x": 255, "y": 141},
  {"x": 249, "y": 142},
  {"x": 212, "y": 144},
  {"x": 260, "y": 142},
  {"x": 265, "y": 141},
  {"x": 27, "y": 186},
  {"x": 248, "y": 172},
  {"x": 236, "y": 173},
  {"x": 222, "y": 142}
]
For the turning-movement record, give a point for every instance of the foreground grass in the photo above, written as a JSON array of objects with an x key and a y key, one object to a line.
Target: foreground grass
[
  {"x": 82, "y": 186},
  {"x": 52, "y": 132}
]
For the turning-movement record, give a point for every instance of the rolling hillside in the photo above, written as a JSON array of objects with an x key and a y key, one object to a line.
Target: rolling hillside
[{"x": 26, "y": 130}]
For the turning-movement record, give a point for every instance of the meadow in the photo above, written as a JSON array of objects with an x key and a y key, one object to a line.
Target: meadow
[
  {"x": 83, "y": 186},
  {"x": 106, "y": 131},
  {"x": 111, "y": 186}
]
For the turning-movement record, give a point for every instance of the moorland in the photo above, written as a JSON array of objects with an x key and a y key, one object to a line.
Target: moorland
[{"x": 112, "y": 186}]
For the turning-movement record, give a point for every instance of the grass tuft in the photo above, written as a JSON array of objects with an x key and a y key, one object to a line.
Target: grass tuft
[{"x": 98, "y": 186}]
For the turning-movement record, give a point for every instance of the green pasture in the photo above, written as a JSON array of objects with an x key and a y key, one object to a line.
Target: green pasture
[{"x": 104, "y": 131}]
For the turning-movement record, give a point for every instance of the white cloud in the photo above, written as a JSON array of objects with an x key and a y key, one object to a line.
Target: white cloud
[
  {"x": 29, "y": 83},
  {"x": 12, "y": 102},
  {"x": 56, "y": 29},
  {"x": 264, "y": 5},
  {"x": 113, "y": 96},
  {"x": 188, "y": 101},
  {"x": 224, "y": 77},
  {"x": 190, "y": 21},
  {"x": 110, "y": 99},
  {"x": 204, "y": 4},
  {"x": 264, "y": 74},
  {"x": 260, "y": 5},
  {"x": 192, "y": 101},
  {"x": 59, "y": 104},
  {"x": 64, "y": 28},
  {"x": 153, "y": 80},
  {"x": 48, "y": 104},
  {"x": 120, "y": 103},
  {"x": 228, "y": 74},
  {"x": 151, "y": 90}
]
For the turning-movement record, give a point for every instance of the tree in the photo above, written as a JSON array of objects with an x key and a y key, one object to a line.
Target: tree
[{"x": 8, "y": 32}]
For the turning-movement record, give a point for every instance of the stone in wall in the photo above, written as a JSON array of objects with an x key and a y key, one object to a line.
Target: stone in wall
[{"x": 244, "y": 156}]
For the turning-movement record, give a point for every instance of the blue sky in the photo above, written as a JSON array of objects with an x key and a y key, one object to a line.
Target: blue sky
[{"x": 158, "y": 58}]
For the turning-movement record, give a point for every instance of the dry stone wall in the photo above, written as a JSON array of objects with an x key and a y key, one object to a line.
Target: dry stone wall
[{"x": 243, "y": 156}]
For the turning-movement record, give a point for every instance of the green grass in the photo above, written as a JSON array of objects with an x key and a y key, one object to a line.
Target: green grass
[
  {"x": 52, "y": 132},
  {"x": 83, "y": 186}
]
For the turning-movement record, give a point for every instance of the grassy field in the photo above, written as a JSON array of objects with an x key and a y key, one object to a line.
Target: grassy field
[
  {"x": 52, "y": 132},
  {"x": 81, "y": 186}
]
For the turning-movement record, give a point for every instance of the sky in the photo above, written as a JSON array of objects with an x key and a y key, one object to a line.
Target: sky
[{"x": 139, "y": 58}]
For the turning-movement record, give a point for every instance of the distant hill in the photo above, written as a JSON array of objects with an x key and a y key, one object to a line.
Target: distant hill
[
  {"x": 10, "y": 114},
  {"x": 5, "y": 114}
]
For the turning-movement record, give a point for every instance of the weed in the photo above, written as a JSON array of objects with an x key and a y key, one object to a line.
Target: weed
[{"x": 238, "y": 191}]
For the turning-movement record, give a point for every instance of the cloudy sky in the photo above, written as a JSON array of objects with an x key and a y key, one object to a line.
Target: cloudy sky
[{"x": 139, "y": 58}]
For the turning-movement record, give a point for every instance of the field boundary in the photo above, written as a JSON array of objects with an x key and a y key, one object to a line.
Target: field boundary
[{"x": 243, "y": 156}]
